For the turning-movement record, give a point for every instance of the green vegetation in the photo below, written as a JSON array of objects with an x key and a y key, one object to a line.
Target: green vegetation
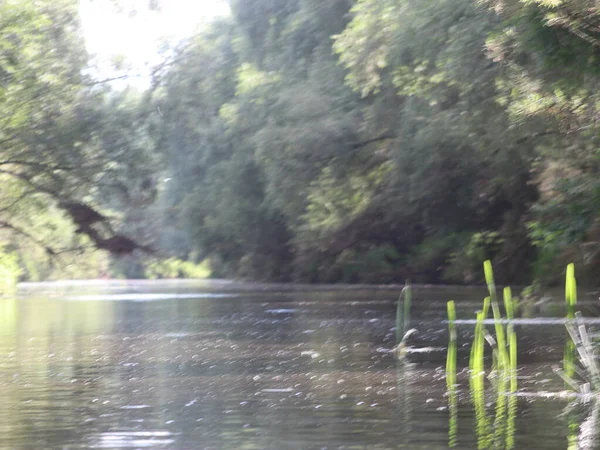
[
  {"x": 175, "y": 268},
  {"x": 363, "y": 141},
  {"x": 585, "y": 377},
  {"x": 504, "y": 350},
  {"x": 403, "y": 312},
  {"x": 452, "y": 352},
  {"x": 451, "y": 381},
  {"x": 569, "y": 358},
  {"x": 415, "y": 143},
  {"x": 9, "y": 272},
  {"x": 495, "y": 431},
  {"x": 580, "y": 371}
]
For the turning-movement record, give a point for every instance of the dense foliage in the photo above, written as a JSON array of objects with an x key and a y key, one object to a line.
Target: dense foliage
[
  {"x": 69, "y": 146},
  {"x": 381, "y": 139},
  {"x": 354, "y": 141}
]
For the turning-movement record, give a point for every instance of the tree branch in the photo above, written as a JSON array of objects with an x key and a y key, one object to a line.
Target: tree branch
[
  {"x": 17, "y": 200},
  {"x": 375, "y": 139},
  {"x": 18, "y": 230},
  {"x": 534, "y": 135},
  {"x": 108, "y": 80},
  {"x": 19, "y": 162}
]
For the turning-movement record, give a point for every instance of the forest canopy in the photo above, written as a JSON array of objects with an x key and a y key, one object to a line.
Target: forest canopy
[{"x": 303, "y": 140}]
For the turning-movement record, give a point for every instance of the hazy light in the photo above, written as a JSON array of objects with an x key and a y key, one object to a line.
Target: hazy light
[{"x": 136, "y": 34}]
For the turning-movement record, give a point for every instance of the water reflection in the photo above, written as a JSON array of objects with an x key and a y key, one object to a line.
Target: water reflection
[{"x": 283, "y": 370}]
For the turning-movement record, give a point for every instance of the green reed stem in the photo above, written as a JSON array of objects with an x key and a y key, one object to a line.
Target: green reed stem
[
  {"x": 500, "y": 423},
  {"x": 453, "y": 417},
  {"x": 511, "y": 422},
  {"x": 503, "y": 357},
  {"x": 407, "y": 304},
  {"x": 451, "y": 376},
  {"x": 570, "y": 291},
  {"x": 451, "y": 357},
  {"x": 403, "y": 312},
  {"x": 476, "y": 361},
  {"x": 509, "y": 305},
  {"x": 569, "y": 357},
  {"x": 484, "y": 439}
]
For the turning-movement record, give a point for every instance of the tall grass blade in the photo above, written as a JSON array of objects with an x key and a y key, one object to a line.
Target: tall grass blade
[
  {"x": 571, "y": 302},
  {"x": 451, "y": 357},
  {"x": 407, "y": 304},
  {"x": 570, "y": 291},
  {"x": 484, "y": 438},
  {"x": 509, "y": 306},
  {"x": 489, "y": 278},
  {"x": 451, "y": 377},
  {"x": 501, "y": 412},
  {"x": 403, "y": 312},
  {"x": 476, "y": 361},
  {"x": 511, "y": 422},
  {"x": 497, "y": 431},
  {"x": 453, "y": 417},
  {"x": 503, "y": 357}
]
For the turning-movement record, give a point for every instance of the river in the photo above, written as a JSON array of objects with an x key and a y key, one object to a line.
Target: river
[{"x": 217, "y": 365}]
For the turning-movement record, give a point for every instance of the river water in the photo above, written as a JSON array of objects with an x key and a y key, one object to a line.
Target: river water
[{"x": 214, "y": 365}]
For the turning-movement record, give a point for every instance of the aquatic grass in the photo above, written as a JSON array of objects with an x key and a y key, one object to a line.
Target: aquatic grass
[
  {"x": 511, "y": 421},
  {"x": 586, "y": 351},
  {"x": 403, "y": 312},
  {"x": 502, "y": 355},
  {"x": 497, "y": 430},
  {"x": 453, "y": 417},
  {"x": 451, "y": 376},
  {"x": 476, "y": 360},
  {"x": 581, "y": 370},
  {"x": 589, "y": 372},
  {"x": 500, "y": 422},
  {"x": 570, "y": 291},
  {"x": 569, "y": 357},
  {"x": 451, "y": 357},
  {"x": 503, "y": 344},
  {"x": 585, "y": 377},
  {"x": 510, "y": 306},
  {"x": 483, "y": 421}
]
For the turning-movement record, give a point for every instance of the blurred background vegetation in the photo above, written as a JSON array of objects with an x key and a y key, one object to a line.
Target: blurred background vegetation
[{"x": 306, "y": 140}]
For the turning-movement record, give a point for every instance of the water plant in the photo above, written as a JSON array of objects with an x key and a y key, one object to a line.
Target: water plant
[
  {"x": 581, "y": 370},
  {"x": 504, "y": 344},
  {"x": 509, "y": 306},
  {"x": 589, "y": 372},
  {"x": 451, "y": 376},
  {"x": 452, "y": 353},
  {"x": 497, "y": 431},
  {"x": 570, "y": 303},
  {"x": 403, "y": 312},
  {"x": 585, "y": 349}
]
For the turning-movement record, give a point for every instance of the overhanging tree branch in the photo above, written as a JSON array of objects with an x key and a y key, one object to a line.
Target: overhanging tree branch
[{"x": 50, "y": 251}]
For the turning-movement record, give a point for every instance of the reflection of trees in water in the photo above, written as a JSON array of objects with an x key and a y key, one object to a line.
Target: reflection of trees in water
[{"x": 49, "y": 354}]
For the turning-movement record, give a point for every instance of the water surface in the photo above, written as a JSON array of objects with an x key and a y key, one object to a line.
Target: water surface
[{"x": 198, "y": 365}]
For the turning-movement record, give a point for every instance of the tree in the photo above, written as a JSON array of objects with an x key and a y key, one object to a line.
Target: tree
[{"x": 60, "y": 150}]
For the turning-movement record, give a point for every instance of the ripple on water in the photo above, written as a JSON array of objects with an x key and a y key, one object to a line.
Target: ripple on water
[{"x": 249, "y": 370}]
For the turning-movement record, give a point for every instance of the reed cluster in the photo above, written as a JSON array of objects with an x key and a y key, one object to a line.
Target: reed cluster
[
  {"x": 503, "y": 344},
  {"x": 495, "y": 430},
  {"x": 580, "y": 370}
]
